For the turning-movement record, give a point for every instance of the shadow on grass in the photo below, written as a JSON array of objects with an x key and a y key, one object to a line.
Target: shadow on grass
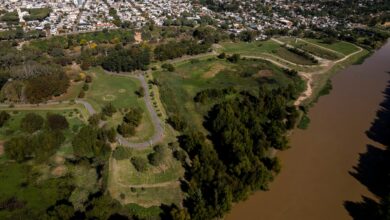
[{"x": 373, "y": 169}]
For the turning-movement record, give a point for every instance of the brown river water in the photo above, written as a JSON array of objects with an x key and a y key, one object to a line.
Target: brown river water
[{"x": 315, "y": 181}]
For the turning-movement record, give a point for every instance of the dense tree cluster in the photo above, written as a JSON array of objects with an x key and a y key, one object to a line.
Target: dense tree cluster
[
  {"x": 125, "y": 60},
  {"x": 175, "y": 49},
  {"x": 210, "y": 94},
  {"x": 92, "y": 142},
  {"x": 131, "y": 121},
  {"x": 34, "y": 82},
  {"x": 242, "y": 131}
]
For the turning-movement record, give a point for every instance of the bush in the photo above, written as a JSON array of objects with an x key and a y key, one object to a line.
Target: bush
[
  {"x": 126, "y": 129},
  {"x": 139, "y": 163},
  {"x": 108, "y": 110},
  {"x": 158, "y": 156},
  {"x": 81, "y": 94},
  {"x": 57, "y": 122},
  {"x": 169, "y": 67},
  {"x": 31, "y": 122},
  {"x": 4, "y": 116},
  {"x": 122, "y": 153}
]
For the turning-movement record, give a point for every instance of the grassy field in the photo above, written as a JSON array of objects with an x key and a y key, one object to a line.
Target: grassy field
[
  {"x": 292, "y": 57},
  {"x": 255, "y": 48},
  {"x": 157, "y": 185},
  {"x": 119, "y": 90},
  {"x": 312, "y": 48},
  {"x": 178, "y": 88},
  {"x": 339, "y": 46}
]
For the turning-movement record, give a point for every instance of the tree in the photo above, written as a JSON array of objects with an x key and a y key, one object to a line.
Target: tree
[
  {"x": 139, "y": 163},
  {"x": 88, "y": 143},
  {"x": 57, "y": 122},
  {"x": 108, "y": 109},
  {"x": 31, "y": 122},
  {"x": 158, "y": 156},
  {"x": 4, "y": 116},
  {"x": 234, "y": 58},
  {"x": 17, "y": 148},
  {"x": 126, "y": 129},
  {"x": 140, "y": 92}
]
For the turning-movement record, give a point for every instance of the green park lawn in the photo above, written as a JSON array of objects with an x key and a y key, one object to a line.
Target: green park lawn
[
  {"x": 339, "y": 46},
  {"x": 292, "y": 57},
  {"x": 155, "y": 186},
  {"x": 312, "y": 48}
]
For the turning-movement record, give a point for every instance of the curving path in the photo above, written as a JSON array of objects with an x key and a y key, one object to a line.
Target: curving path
[{"x": 158, "y": 127}]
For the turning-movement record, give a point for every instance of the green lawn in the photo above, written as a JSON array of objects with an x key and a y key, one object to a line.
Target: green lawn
[
  {"x": 119, "y": 90},
  {"x": 311, "y": 48},
  {"x": 127, "y": 173},
  {"x": 255, "y": 48},
  {"x": 292, "y": 57},
  {"x": 157, "y": 185},
  {"x": 339, "y": 46}
]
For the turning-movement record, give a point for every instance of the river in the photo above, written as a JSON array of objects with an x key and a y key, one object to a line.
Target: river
[{"x": 315, "y": 181}]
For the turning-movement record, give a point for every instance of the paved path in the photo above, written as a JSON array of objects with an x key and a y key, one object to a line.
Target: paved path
[{"x": 158, "y": 127}]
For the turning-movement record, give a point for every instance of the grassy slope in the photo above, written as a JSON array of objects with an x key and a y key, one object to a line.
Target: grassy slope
[
  {"x": 157, "y": 185},
  {"x": 340, "y": 46}
]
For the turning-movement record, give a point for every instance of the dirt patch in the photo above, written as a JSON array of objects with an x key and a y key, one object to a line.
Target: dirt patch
[
  {"x": 109, "y": 97},
  {"x": 59, "y": 171},
  {"x": 122, "y": 90},
  {"x": 263, "y": 73},
  {"x": 138, "y": 37},
  {"x": 214, "y": 70},
  {"x": 387, "y": 24}
]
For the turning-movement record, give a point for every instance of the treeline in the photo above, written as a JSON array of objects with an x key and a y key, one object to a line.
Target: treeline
[
  {"x": 242, "y": 131},
  {"x": 33, "y": 82},
  {"x": 175, "y": 49},
  {"x": 210, "y": 94},
  {"x": 125, "y": 60}
]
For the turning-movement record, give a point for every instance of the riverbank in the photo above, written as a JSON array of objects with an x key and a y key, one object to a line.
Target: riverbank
[{"x": 315, "y": 180}]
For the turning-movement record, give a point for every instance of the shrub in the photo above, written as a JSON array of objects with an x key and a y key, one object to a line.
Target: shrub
[
  {"x": 4, "y": 116},
  {"x": 122, "y": 153},
  {"x": 31, "y": 122},
  {"x": 139, "y": 163},
  {"x": 57, "y": 122}
]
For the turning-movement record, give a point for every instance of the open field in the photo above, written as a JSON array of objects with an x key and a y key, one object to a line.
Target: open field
[
  {"x": 179, "y": 88},
  {"x": 255, "y": 48},
  {"x": 339, "y": 46},
  {"x": 268, "y": 48},
  {"x": 292, "y": 57},
  {"x": 312, "y": 48},
  {"x": 157, "y": 185},
  {"x": 119, "y": 90}
]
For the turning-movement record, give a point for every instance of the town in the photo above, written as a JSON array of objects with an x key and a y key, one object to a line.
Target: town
[{"x": 52, "y": 17}]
